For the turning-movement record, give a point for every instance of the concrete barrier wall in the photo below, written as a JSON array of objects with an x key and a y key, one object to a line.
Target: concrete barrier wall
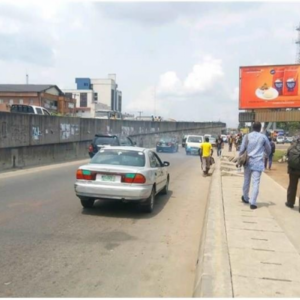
[{"x": 28, "y": 140}]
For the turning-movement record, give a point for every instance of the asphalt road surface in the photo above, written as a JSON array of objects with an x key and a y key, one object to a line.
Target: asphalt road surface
[{"x": 52, "y": 247}]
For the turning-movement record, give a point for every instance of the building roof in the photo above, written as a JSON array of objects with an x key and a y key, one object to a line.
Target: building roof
[{"x": 27, "y": 88}]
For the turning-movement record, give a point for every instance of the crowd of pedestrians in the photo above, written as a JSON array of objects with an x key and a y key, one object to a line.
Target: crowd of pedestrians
[{"x": 259, "y": 151}]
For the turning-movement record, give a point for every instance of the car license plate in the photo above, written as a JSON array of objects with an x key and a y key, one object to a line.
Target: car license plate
[{"x": 110, "y": 178}]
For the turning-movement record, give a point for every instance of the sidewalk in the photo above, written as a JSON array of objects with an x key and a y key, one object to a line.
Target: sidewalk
[{"x": 263, "y": 245}]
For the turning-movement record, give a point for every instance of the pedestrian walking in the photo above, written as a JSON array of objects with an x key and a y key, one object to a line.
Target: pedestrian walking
[
  {"x": 220, "y": 144},
  {"x": 206, "y": 152},
  {"x": 230, "y": 142},
  {"x": 293, "y": 154},
  {"x": 238, "y": 141},
  {"x": 256, "y": 144},
  {"x": 269, "y": 159}
]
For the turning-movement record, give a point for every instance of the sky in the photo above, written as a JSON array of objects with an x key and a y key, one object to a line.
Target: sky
[{"x": 177, "y": 60}]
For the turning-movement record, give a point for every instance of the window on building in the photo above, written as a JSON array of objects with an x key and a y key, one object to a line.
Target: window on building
[
  {"x": 1, "y": 101},
  {"x": 68, "y": 95},
  {"x": 112, "y": 102},
  {"x": 83, "y": 99},
  {"x": 20, "y": 101},
  {"x": 120, "y": 103},
  {"x": 31, "y": 101},
  {"x": 11, "y": 101},
  {"x": 95, "y": 96}
]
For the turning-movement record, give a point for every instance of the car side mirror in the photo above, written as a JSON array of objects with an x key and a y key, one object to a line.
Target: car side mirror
[{"x": 166, "y": 163}]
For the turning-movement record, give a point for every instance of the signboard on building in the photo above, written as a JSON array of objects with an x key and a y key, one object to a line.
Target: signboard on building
[{"x": 269, "y": 87}]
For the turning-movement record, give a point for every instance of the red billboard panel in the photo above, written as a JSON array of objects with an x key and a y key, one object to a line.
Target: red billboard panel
[{"x": 269, "y": 87}]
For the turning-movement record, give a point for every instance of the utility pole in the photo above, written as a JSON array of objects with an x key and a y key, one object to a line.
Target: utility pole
[
  {"x": 140, "y": 112},
  {"x": 298, "y": 45},
  {"x": 27, "y": 78}
]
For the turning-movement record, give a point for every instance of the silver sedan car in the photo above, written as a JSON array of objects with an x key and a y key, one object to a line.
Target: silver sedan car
[{"x": 123, "y": 173}]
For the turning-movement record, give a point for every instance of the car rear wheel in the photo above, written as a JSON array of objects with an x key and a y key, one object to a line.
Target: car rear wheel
[
  {"x": 166, "y": 188},
  {"x": 87, "y": 202},
  {"x": 148, "y": 205}
]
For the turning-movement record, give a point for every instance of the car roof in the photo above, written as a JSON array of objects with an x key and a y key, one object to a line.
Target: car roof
[{"x": 130, "y": 148}]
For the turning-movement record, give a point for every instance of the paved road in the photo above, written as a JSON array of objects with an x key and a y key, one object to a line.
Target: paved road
[{"x": 51, "y": 247}]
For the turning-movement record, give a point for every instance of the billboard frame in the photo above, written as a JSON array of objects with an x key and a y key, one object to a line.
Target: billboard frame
[{"x": 260, "y": 66}]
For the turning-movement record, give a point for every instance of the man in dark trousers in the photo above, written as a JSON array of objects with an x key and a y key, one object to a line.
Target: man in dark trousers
[{"x": 293, "y": 154}]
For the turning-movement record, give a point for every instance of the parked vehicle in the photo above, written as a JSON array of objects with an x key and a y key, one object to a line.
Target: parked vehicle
[
  {"x": 193, "y": 143},
  {"x": 167, "y": 145},
  {"x": 289, "y": 139},
  {"x": 213, "y": 141},
  {"x": 125, "y": 174},
  {"x": 224, "y": 138},
  {"x": 280, "y": 139},
  {"x": 184, "y": 141},
  {"x": 29, "y": 109},
  {"x": 103, "y": 140}
]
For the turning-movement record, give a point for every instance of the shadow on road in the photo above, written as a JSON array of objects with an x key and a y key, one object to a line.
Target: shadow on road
[
  {"x": 118, "y": 209},
  {"x": 265, "y": 204}
]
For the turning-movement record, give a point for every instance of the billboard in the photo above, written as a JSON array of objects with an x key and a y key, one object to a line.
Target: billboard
[{"x": 269, "y": 87}]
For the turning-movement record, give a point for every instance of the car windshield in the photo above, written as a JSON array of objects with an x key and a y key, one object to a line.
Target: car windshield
[
  {"x": 105, "y": 140},
  {"x": 119, "y": 157},
  {"x": 195, "y": 139}
]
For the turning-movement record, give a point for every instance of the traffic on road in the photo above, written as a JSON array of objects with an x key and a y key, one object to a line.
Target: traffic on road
[{"x": 51, "y": 246}]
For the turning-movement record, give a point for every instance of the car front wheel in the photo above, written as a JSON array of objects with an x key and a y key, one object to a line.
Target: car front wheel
[{"x": 87, "y": 202}]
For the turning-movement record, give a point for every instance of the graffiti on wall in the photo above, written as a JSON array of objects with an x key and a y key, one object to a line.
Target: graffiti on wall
[
  {"x": 67, "y": 131},
  {"x": 126, "y": 130},
  {"x": 35, "y": 133}
]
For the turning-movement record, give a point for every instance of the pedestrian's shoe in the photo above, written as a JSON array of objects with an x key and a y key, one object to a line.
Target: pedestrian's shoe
[
  {"x": 289, "y": 205},
  {"x": 253, "y": 206},
  {"x": 244, "y": 200}
]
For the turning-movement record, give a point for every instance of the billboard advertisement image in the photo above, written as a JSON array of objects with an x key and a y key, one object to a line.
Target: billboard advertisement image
[{"x": 269, "y": 87}]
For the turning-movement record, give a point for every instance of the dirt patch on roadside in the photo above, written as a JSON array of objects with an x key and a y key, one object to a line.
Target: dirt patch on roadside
[{"x": 280, "y": 175}]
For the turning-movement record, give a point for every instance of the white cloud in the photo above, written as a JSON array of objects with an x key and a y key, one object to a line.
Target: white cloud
[
  {"x": 147, "y": 102},
  {"x": 203, "y": 77},
  {"x": 235, "y": 94}
]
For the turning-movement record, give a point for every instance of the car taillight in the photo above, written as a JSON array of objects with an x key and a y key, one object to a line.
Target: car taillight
[
  {"x": 85, "y": 175},
  {"x": 133, "y": 178},
  {"x": 91, "y": 149}
]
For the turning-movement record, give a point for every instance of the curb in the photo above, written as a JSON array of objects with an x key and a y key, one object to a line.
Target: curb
[{"x": 213, "y": 273}]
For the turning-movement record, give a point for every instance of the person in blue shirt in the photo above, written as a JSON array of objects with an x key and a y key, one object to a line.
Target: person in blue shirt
[{"x": 256, "y": 144}]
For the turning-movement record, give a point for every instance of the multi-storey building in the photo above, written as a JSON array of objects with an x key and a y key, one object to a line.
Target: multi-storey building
[{"x": 94, "y": 95}]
